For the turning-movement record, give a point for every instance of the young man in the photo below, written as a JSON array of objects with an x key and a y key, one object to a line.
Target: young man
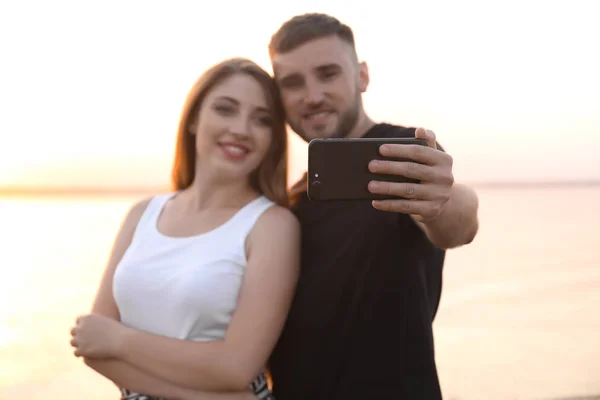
[{"x": 361, "y": 323}]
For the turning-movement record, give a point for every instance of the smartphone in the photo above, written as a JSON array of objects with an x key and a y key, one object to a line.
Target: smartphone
[{"x": 338, "y": 169}]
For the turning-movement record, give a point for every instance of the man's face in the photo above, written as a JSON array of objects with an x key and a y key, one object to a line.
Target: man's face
[{"x": 321, "y": 84}]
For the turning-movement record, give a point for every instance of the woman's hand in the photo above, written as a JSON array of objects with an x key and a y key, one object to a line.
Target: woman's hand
[{"x": 97, "y": 336}]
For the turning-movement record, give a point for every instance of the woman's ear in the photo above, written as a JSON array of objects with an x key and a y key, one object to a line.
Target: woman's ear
[{"x": 192, "y": 127}]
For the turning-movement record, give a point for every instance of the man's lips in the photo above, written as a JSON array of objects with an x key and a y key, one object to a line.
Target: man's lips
[
  {"x": 319, "y": 114},
  {"x": 318, "y": 117}
]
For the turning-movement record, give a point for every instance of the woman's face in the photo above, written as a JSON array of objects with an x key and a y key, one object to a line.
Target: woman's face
[{"x": 233, "y": 130}]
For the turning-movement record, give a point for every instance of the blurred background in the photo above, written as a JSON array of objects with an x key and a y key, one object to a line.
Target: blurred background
[{"x": 90, "y": 95}]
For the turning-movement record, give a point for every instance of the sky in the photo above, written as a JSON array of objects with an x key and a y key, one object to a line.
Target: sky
[{"x": 90, "y": 92}]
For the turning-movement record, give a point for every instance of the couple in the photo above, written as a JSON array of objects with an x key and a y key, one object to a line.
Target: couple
[{"x": 214, "y": 286}]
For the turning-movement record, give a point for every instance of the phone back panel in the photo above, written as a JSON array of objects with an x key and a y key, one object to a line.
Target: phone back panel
[{"x": 338, "y": 169}]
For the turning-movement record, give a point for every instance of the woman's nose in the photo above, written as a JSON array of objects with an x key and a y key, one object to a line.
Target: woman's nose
[{"x": 240, "y": 126}]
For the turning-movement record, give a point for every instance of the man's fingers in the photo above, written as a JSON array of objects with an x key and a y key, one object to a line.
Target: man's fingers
[
  {"x": 406, "y": 169},
  {"x": 414, "y": 152},
  {"x": 429, "y": 155},
  {"x": 423, "y": 208},
  {"x": 426, "y": 134},
  {"x": 418, "y": 207},
  {"x": 405, "y": 190}
]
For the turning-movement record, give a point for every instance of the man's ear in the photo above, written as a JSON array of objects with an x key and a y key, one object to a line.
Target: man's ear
[{"x": 363, "y": 76}]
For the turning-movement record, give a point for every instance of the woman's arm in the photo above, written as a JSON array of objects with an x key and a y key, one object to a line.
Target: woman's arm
[
  {"x": 265, "y": 298},
  {"x": 104, "y": 302},
  {"x": 127, "y": 376},
  {"x": 119, "y": 372}
]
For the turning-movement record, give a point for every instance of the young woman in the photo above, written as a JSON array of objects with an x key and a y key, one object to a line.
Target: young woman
[{"x": 200, "y": 280}]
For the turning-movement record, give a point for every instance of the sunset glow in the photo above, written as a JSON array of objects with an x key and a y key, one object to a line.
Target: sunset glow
[{"x": 91, "y": 93}]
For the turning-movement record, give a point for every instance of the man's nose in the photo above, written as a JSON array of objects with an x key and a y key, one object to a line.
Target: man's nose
[{"x": 314, "y": 93}]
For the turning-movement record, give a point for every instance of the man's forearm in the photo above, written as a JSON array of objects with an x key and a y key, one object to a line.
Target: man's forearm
[
  {"x": 457, "y": 225},
  {"x": 125, "y": 375}
]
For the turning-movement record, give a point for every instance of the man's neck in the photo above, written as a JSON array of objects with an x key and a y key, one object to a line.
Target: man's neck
[{"x": 362, "y": 126}]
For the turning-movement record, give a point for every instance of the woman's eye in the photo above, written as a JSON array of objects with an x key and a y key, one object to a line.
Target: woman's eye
[
  {"x": 266, "y": 120},
  {"x": 224, "y": 109}
]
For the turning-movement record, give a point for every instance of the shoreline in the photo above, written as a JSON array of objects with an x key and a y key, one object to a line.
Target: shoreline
[{"x": 16, "y": 191}]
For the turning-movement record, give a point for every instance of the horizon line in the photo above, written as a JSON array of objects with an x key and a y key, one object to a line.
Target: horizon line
[{"x": 14, "y": 190}]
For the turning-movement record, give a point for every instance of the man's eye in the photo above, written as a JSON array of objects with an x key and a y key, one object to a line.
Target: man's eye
[
  {"x": 291, "y": 83},
  {"x": 328, "y": 75}
]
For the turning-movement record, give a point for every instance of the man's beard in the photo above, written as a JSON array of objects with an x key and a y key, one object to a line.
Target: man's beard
[{"x": 347, "y": 122}]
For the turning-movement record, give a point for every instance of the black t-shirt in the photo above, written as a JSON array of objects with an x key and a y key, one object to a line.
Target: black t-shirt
[{"x": 360, "y": 326}]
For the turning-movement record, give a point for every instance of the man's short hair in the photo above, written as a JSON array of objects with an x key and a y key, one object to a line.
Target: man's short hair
[{"x": 304, "y": 28}]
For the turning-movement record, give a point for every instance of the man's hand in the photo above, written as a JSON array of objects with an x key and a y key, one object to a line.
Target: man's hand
[
  {"x": 425, "y": 201},
  {"x": 97, "y": 336}
]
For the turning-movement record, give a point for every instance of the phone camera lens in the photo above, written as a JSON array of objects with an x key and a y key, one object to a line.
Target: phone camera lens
[{"x": 314, "y": 191}]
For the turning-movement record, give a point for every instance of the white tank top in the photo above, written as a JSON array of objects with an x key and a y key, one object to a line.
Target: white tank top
[{"x": 184, "y": 288}]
